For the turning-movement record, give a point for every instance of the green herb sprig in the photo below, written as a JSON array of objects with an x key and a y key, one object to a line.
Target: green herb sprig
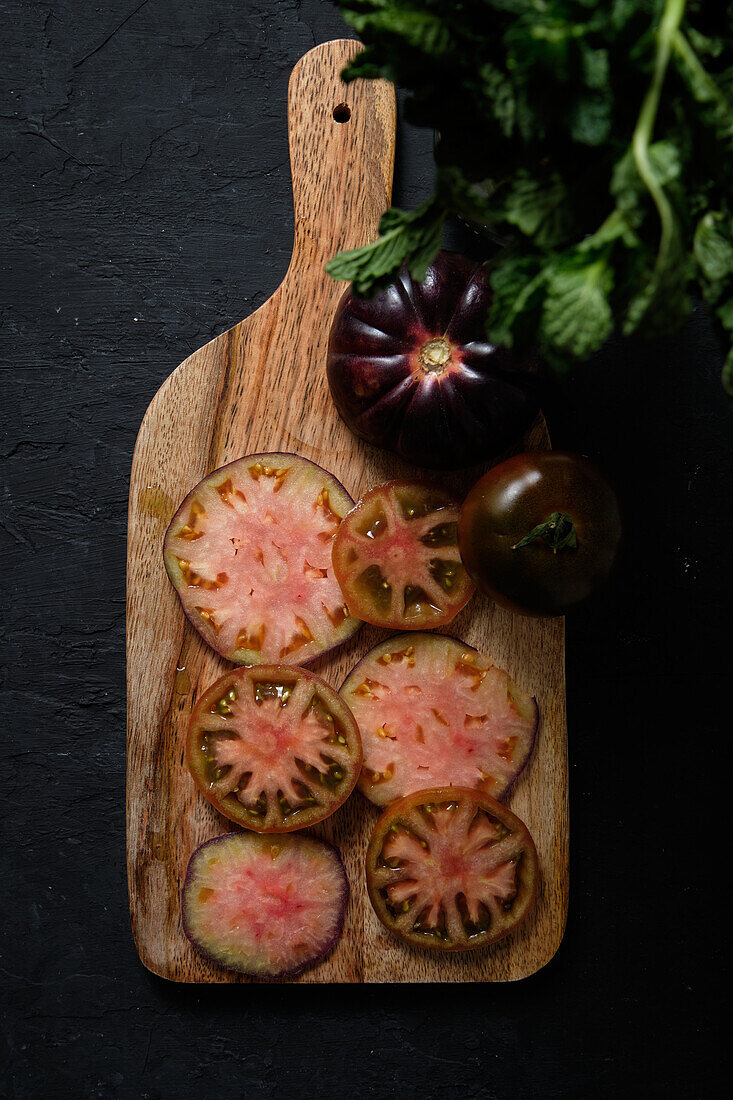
[{"x": 591, "y": 140}]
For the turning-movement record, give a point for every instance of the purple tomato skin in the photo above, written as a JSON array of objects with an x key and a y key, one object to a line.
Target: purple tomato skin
[{"x": 411, "y": 369}]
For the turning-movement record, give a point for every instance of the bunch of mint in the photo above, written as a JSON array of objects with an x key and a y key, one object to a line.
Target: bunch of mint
[{"x": 592, "y": 140}]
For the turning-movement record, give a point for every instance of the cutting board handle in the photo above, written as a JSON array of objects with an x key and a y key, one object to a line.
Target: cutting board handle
[{"x": 342, "y": 142}]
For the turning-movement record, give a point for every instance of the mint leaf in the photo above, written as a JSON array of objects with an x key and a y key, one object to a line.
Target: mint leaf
[
  {"x": 713, "y": 246},
  {"x": 406, "y": 236},
  {"x": 555, "y": 106},
  {"x": 627, "y": 185},
  {"x": 713, "y": 96},
  {"x": 596, "y": 68},
  {"x": 725, "y": 315},
  {"x": 539, "y": 209},
  {"x": 501, "y": 97},
  {"x": 590, "y": 119},
  {"x": 615, "y": 228},
  {"x": 472, "y": 200},
  {"x": 517, "y": 283},
  {"x": 415, "y": 28},
  {"x": 576, "y": 316}
]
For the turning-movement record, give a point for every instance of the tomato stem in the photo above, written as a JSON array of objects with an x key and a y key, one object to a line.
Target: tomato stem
[{"x": 557, "y": 531}]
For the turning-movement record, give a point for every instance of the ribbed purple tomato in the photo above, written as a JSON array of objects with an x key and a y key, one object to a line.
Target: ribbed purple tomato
[{"x": 411, "y": 369}]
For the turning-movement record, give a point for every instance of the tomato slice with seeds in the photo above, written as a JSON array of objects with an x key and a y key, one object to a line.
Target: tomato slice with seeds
[
  {"x": 273, "y": 748},
  {"x": 434, "y": 712},
  {"x": 451, "y": 869},
  {"x": 396, "y": 557},
  {"x": 266, "y": 907},
  {"x": 249, "y": 553}
]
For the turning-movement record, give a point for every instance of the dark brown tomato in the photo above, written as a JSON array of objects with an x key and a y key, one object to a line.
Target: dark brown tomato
[
  {"x": 411, "y": 370},
  {"x": 396, "y": 559},
  {"x": 539, "y": 532},
  {"x": 451, "y": 869},
  {"x": 273, "y": 748}
]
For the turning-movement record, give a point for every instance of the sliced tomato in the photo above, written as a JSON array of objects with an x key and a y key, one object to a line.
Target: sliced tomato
[
  {"x": 450, "y": 869},
  {"x": 249, "y": 553},
  {"x": 396, "y": 557},
  {"x": 264, "y": 906},
  {"x": 273, "y": 748},
  {"x": 435, "y": 712}
]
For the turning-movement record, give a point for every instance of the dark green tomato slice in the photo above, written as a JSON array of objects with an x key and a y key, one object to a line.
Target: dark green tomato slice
[
  {"x": 395, "y": 556},
  {"x": 451, "y": 869},
  {"x": 539, "y": 532},
  {"x": 273, "y": 748}
]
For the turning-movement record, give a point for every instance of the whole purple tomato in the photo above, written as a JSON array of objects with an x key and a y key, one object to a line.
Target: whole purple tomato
[{"x": 411, "y": 369}]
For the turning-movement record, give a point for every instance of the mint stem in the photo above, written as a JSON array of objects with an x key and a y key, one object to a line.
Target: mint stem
[{"x": 668, "y": 27}]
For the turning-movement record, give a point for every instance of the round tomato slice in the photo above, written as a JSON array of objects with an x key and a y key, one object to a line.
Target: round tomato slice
[
  {"x": 396, "y": 557},
  {"x": 249, "y": 553},
  {"x": 450, "y": 869},
  {"x": 265, "y": 907},
  {"x": 273, "y": 748},
  {"x": 434, "y": 712}
]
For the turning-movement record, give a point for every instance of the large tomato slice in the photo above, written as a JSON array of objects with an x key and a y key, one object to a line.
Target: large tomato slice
[
  {"x": 273, "y": 748},
  {"x": 265, "y": 906},
  {"x": 451, "y": 868},
  {"x": 249, "y": 553},
  {"x": 396, "y": 557},
  {"x": 435, "y": 712}
]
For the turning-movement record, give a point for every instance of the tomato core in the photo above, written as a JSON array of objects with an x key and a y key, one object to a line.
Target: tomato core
[{"x": 435, "y": 355}]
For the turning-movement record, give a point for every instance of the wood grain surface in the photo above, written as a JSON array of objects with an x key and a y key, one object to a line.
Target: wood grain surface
[{"x": 261, "y": 386}]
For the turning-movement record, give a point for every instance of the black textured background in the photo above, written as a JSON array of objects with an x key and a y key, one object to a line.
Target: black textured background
[{"x": 145, "y": 208}]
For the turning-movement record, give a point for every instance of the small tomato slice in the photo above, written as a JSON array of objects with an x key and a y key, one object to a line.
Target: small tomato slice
[
  {"x": 451, "y": 869},
  {"x": 434, "y": 712},
  {"x": 273, "y": 748},
  {"x": 249, "y": 553},
  {"x": 539, "y": 532},
  {"x": 264, "y": 906},
  {"x": 396, "y": 557}
]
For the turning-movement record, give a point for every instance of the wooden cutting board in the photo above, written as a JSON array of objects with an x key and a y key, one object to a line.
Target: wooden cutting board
[{"x": 261, "y": 386}]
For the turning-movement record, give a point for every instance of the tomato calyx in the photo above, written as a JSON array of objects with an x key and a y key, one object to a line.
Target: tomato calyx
[
  {"x": 435, "y": 355},
  {"x": 557, "y": 531}
]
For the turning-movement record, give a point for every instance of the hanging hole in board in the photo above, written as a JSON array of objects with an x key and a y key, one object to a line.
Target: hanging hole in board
[{"x": 342, "y": 112}]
